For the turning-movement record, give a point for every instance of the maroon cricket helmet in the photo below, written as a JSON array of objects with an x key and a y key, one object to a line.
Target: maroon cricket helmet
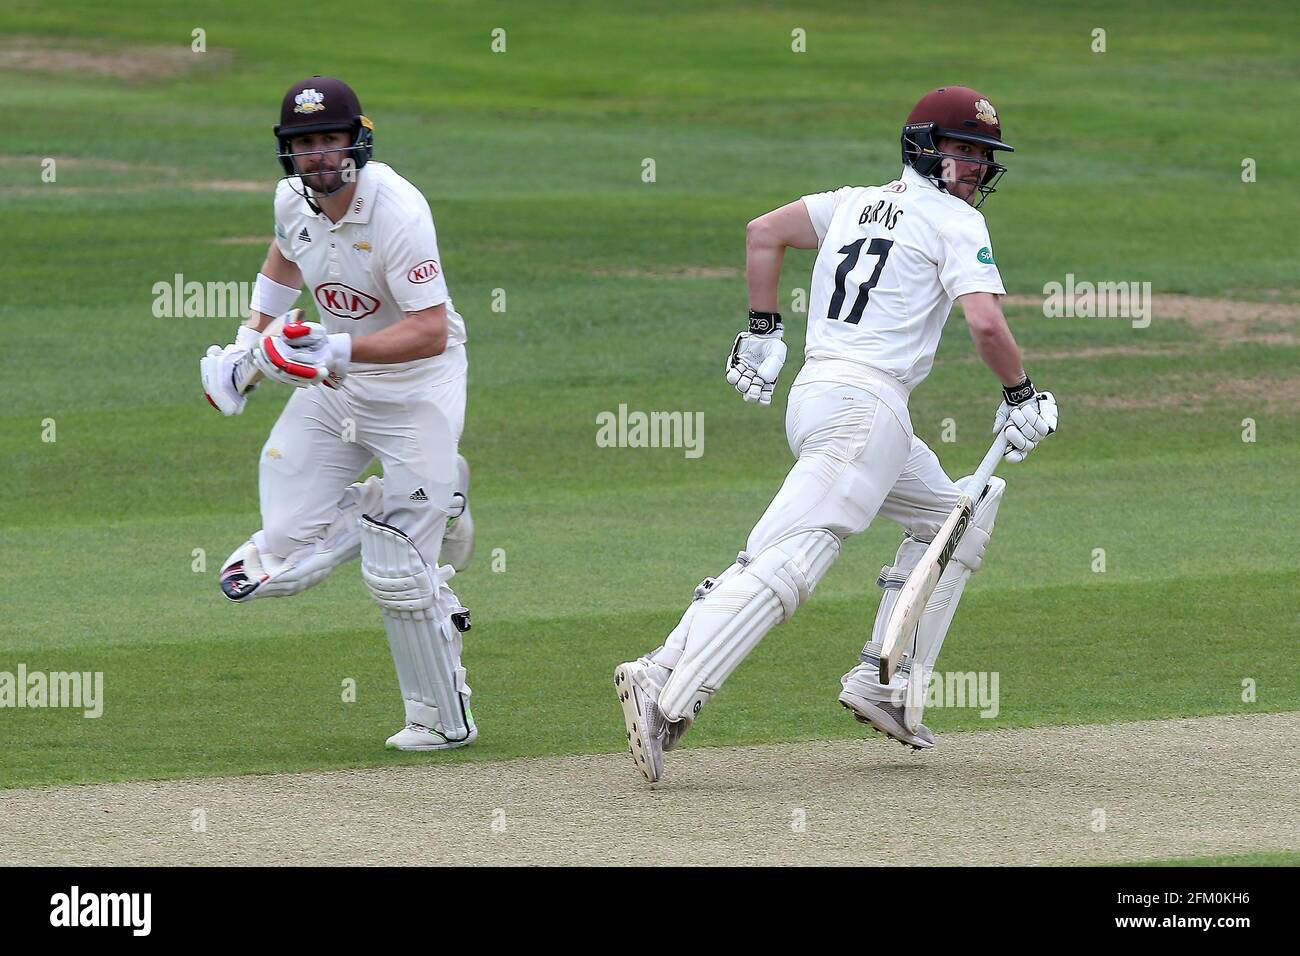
[{"x": 955, "y": 112}]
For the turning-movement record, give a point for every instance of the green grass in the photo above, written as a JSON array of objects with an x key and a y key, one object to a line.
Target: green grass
[
  {"x": 1237, "y": 859},
  {"x": 1127, "y": 167}
]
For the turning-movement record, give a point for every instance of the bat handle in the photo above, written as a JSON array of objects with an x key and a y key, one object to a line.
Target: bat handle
[{"x": 989, "y": 464}]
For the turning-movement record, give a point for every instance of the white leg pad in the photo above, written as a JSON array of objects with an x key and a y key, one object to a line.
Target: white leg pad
[
  {"x": 670, "y": 652},
  {"x": 729, "y": 621},
  {"x": 913, "y": 675},
  {"x": 417, "y": 605}
]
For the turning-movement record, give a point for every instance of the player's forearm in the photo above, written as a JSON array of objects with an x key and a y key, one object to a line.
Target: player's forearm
[
  {"x": 763, "y": 258},
  {"x": 993, "y": 339},
  {"x": 421, "y": 335},
  {"x": 999, "y": 351},
  {"x": 258, "y": 321}
]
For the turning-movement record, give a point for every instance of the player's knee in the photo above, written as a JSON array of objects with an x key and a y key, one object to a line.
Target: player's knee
[
  {"x": 792, "y": 566},
  {"x": 284, "y": 537}
]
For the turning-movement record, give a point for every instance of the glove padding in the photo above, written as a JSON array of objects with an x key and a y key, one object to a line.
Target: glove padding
[
  {"x": 315, "y": 346},
  {"x": 300, "y": 354},
  {"x": 1026, "y": 424},
  {"x": 215, "y": 370},
  {"x": 754, "y": 364}
]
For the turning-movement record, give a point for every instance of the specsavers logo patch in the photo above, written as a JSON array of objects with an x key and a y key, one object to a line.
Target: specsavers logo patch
[
  {"x": 345, "y": 301},
  {"x": 985, "y": 256},
  {"x": 309, "y": 101}
]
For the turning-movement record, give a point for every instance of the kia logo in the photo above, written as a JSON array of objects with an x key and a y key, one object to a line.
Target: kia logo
[
  {"x": 345, "y": 301},
  {"x": 423, "y": 272}
]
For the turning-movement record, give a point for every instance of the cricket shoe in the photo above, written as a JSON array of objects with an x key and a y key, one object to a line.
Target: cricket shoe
[
  {"x": 645, "y": 723},
  {"x": 888, "y": 719},
  {"x": 243, "y": 574},
  {"x": 419, "y": 737},
  {"x": 458, "y": 539}
]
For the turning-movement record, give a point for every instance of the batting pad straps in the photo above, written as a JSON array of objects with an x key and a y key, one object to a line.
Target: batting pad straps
[{"x": 270, "y": 297}]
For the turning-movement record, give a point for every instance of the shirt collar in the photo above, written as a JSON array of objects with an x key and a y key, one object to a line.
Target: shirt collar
[
  {"x": 363, "y": 197},
  {"x": 910, "y": 175}
]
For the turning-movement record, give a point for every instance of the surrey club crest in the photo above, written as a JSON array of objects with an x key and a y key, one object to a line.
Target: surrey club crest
[
  {"x": 313, "y": 101},
  {"x": 984, "y": 112}
]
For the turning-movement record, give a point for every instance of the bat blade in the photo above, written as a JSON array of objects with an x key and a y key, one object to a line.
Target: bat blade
[{"x": 919, "y": 586}]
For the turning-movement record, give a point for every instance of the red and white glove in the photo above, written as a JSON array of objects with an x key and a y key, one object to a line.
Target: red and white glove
[
  {"x": 1025, "y": 418},
  {"x": 217, "y": 367},
  {"x": 303, "y": 354},
  {"x": 321, "y": 348}
]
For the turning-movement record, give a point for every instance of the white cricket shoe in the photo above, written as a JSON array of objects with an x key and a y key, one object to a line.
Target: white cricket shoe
[
  {"x": 420, "y": 737},
  {"x": 458, "y": 539},
  {"x": 646, "y": 726},
  {"x": 888, "y": 719}
]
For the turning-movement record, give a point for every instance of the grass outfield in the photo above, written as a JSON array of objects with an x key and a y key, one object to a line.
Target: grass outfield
[
  {"x": 1241, "y": 859},
  {"x": 1128, "y": 167}
]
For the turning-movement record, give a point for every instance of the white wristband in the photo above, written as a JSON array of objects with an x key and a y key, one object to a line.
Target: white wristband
[{"x": 271, "y": 298}]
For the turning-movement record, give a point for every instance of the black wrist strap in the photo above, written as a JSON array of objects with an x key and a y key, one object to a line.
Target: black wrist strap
[
  {"x": 761, "y": 323},
  {"x": 1018, "y": 394}
]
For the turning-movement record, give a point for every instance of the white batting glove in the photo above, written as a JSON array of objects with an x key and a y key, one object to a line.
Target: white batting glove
[
  {"x": 296, "y": 356},
  {"x": 1025, "y": 418},
  {"x": 318, "y": 347},
  {"x": 215, "y": 370},
  {"x": 756, "y": 358}
]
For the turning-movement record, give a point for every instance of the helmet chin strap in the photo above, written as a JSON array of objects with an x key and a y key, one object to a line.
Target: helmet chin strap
[{"x": 307, "y": 192}]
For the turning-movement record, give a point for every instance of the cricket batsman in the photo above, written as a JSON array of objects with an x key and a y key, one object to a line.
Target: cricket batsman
[
  {"x": 891, "y": 261},
  {"x": 381, "y": 376}
]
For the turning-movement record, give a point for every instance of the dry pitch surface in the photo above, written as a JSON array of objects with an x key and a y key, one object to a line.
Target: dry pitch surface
[{"x": 1190, "y": 787}]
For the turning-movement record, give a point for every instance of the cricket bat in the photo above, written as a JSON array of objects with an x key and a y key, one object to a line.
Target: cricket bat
[{"x": 920, "y": 584}]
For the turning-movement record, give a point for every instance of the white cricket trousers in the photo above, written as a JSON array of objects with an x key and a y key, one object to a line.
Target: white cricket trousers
[
  {"x": 858, "y": 457},
  {"x": 409, "y": 419}
]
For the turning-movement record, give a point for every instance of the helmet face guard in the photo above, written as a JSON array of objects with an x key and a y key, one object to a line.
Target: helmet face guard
[
  {"x": 359, "y": 151},
  {"x": 323, "y": 104},
  {"x": 921, "y": 153}
]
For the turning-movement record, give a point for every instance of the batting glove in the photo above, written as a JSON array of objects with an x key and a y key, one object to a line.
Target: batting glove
[
  {"x": 1024, "y": 418},
  {"x": 756, "y": 358},
  {"x": 295, "y": 356}
]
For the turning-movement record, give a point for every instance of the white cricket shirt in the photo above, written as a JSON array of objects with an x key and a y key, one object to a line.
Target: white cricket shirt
[
  {"x": 380, "y": 261},
  {"x": 891, "y": 260}
]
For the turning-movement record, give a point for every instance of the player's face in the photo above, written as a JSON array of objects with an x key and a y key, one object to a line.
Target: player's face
[
  {"x": 320, "y": 160},
  {"x": 963, "y": 178}
]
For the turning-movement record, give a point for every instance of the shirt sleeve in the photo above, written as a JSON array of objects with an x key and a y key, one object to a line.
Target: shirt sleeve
[
  {"x": 412, "y": 267},
  {"x": 821, "y": 207},
  {"x": 282, "y": 222},
  {"x": 282, "y": 241},
  {"x": 966, "y": 258}
]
